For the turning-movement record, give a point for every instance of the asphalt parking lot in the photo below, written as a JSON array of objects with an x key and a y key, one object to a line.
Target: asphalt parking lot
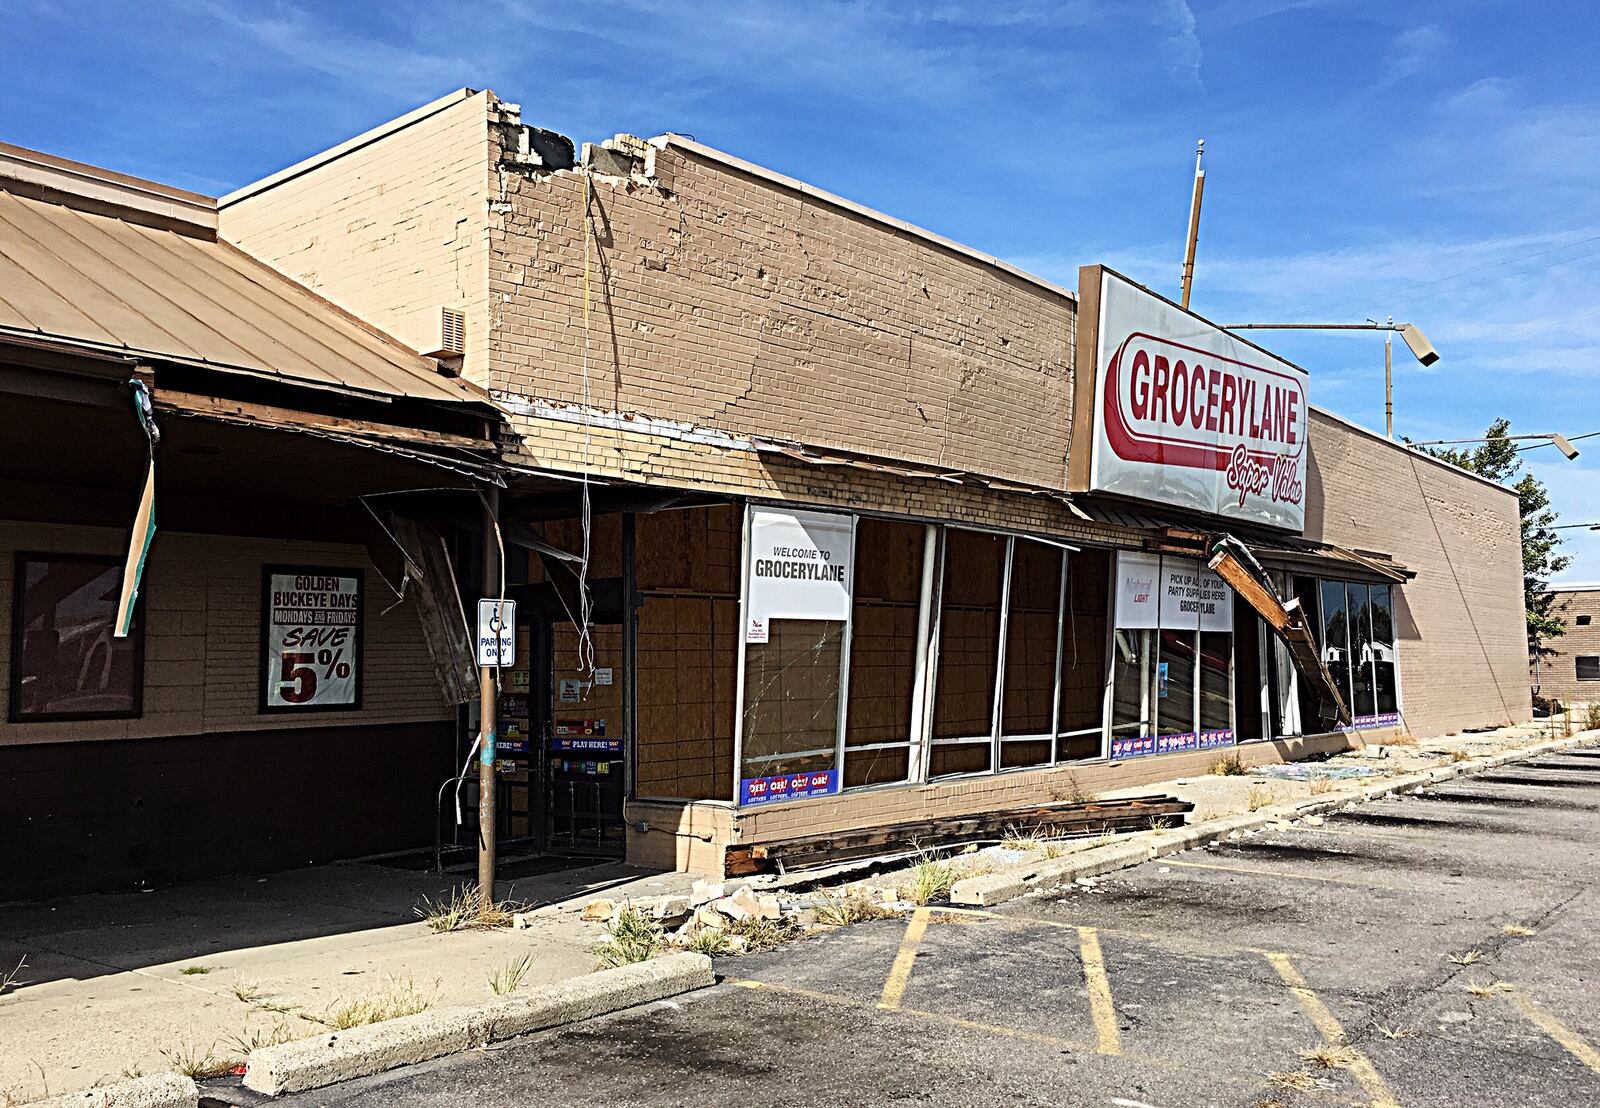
[{"x": 1437, "y": 949}]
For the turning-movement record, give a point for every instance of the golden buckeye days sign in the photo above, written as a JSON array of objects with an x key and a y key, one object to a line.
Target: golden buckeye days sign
[{"x": 311, "y": 631}]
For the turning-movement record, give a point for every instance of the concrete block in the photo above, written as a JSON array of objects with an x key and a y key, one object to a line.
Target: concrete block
[
  {"x": 363, "y": 1051},
  {"x": 167, "y": 1090}
]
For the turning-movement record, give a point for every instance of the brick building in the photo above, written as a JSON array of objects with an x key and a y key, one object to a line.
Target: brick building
[
  {"x": 722, "y": 352},
  {"x": 813, "y": 514},
  {"x": 1568, "y": 668}
]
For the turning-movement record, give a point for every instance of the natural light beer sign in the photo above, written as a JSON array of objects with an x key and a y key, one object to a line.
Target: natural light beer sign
[{"x": 1178, "y": 411}]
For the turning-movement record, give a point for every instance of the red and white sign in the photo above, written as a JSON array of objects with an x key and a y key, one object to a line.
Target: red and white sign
[{"x": 1189, "y": 415}]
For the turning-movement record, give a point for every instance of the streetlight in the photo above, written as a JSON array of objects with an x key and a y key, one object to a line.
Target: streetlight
[
  {"x": 1561, "y": 441},
  {"x": 1410, "y": 332}
]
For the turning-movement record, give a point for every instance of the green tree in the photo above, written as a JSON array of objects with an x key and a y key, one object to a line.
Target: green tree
[{"x": 1497, "y": 459}]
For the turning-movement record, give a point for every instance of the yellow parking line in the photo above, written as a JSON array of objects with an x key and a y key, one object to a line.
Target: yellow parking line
[
  {"x": 1254, "y": 872},
  {"x": 894, "y": 989},
  {"x": 1108, "y": 1039},
  {"x": 1332, "y": 1033},
  {"x": 936, "y": 1017},
  {"x": 1574, "y": 1043}
]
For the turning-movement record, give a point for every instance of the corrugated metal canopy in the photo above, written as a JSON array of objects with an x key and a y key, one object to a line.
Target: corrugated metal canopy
[{"x": 110, "y": 284}]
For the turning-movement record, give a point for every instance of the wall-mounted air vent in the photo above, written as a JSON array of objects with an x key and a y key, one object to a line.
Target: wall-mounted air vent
[{"x": 448, "y": 334}]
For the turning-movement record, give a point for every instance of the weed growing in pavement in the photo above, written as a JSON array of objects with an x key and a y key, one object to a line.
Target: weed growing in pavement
[
  {"x": 1019, "y": 838},
  {"x": 508, "y": 978},
  {"x": 464, "y": 909},
  {"x": 13, "y": 979},
  {"x": 1258, "y": 797},
  {"x": 196, "y": 971},
  {"x": 1106, "y": 837},
  {"x": 1319, "y": 783},
  {"x": 1461, "y": 756},
  {"x": 634, "y": 937},
  {"x": 133, "y": 1072},
  {"x": 249, "y": 1038},
  {"x": 931, "y": 879},
  {"x": 191, "y": 1062},
  {"x": 843, "y": 911},
  {"x": 1402, "y": 738},
  {"x": 1399, "y": 1032},
  {"x": 1329, "y": 1057},
  {"x": 1591, "y": 717},
  {"x": 711, "y": 941},
  {"x": 1229, "y": 766},
  {"x": 1300, "y": 1081},
  {"x": 1467, "y": 957},
  {"x": 246, "y": 992},
  {"x": 1161, "y": 823},
  {"x": 1488, "y": 988},
  {"x": 399, "y": 997},
  {"x": 1518, "y": 930},
  {"x": 763, "y": 934}
]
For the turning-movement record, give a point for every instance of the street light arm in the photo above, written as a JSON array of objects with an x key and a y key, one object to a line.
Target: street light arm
[{"x": 1367, "y": 326}]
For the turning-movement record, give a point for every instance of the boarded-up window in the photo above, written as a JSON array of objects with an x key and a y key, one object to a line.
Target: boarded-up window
[
  {"x": 883, "y": 651},
  {"x": 1032, "y": 620},
  {"x": 969, "y": 652}
]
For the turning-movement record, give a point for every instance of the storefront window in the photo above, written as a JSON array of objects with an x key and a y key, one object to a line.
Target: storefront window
[
  {"x": 1079, "y": 726},
  {"x": 1336, "y": 635},
  {"x": 883, "y": 652},
  {"x": 969, "y": 652},
  {"x": 1385, "y": 687},
  {"x": 66, "y": 663},
  {"x": 1181, "y": 698},
  {"x": 1033, "y": 623},
  {"x": 1359, "y": 615},
  {"x": 791, "y": 699}
]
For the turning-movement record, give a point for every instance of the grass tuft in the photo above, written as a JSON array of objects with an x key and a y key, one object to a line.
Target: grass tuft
[
  {"x": 1300, "y": 1081},
  {"x": 1591, "y": 717},
  {"x": 1467, "y": 957},
  {"x": 1229, "y": 766},
  {"x": 196, "y": 971},
  {"x": 1460, "y": 756},
  {"x": 763, "y": 934},
  {"x": 465, "y": 909},
  {"x": 189, "y": 1060},
  {"x": 1258, "y": 797},
  {"x": 1518, "y": 929},
  {"x": 246, "y": 992},
  {"x": 1399, "y": 1032},
  {"x": 1071, "y": 792},
  {"x": 711, "y": 941},
  {"x": 1320, "y": 783},
  {"x": 931, "y": 879},
  {"x": 1488, "y": 988},
  {"x": 248, "y": 1039},
  {"x": 508, "y": 978},
  {"x": 843, "y": 911},
  {"x": 399, "y": 997},
  {"x": 634, "y": 937},
  {"x": 1330, "y": 1057}
]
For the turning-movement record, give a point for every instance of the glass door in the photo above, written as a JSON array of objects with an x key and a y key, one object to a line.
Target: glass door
[{"x": 585, "y": 747}]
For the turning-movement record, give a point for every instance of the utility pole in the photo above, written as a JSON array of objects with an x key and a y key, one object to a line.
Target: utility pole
[
  {"x": 1388, "y": 380},
  {"x": 1194, "y": 223},
  {"x": 488, "y": 695}
]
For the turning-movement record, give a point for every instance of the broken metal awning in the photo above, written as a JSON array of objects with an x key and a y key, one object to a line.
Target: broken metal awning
[
  {"x": 827, "y": 456},
  {"x": 1177, "y": 533}
]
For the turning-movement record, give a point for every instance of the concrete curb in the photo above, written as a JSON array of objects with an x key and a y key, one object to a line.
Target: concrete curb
[
  {"x": 1014, "y": 881},
  {"x": 166, "y": 1090},
  {"x": 362, "y": 1051}
]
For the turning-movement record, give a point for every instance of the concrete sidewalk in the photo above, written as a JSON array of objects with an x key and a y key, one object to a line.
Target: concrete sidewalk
[{"x": 107, "y": 995}]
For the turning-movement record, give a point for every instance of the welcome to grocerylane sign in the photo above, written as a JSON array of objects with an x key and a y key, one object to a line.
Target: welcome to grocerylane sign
[
  {"x": 311, "y": 639},
  {"x": 800, "y": 567},
  {"x": 1173, "y": 409}
]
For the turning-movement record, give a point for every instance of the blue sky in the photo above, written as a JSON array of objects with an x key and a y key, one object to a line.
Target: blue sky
[{"x": 1437, "y": 162}]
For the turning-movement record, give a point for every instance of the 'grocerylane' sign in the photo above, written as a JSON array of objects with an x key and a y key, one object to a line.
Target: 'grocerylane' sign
[
  {"x": 1187, "y": 414},
  {"x": 311, "y": 632},
  {"x": 800, "y": 568}
]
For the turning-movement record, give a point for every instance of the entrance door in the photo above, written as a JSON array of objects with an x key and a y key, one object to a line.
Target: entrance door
[{"x": 585, "y": 747}]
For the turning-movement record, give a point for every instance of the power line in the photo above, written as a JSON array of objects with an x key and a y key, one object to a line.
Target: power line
[{"x": 1541, "y": 445}]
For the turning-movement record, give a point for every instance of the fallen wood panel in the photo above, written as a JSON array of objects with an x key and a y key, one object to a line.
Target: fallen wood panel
[{"x": 1053, "y": 820}]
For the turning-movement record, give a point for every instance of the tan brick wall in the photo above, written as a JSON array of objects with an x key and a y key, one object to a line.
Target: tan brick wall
[
  {"x": 202, "y": 601},
  {"x": 726, "y": 301},
  {"x": 391, "y": 231},
  {"x": 1558, "y": 676},
  {"x": 1462, "y": 629}
]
